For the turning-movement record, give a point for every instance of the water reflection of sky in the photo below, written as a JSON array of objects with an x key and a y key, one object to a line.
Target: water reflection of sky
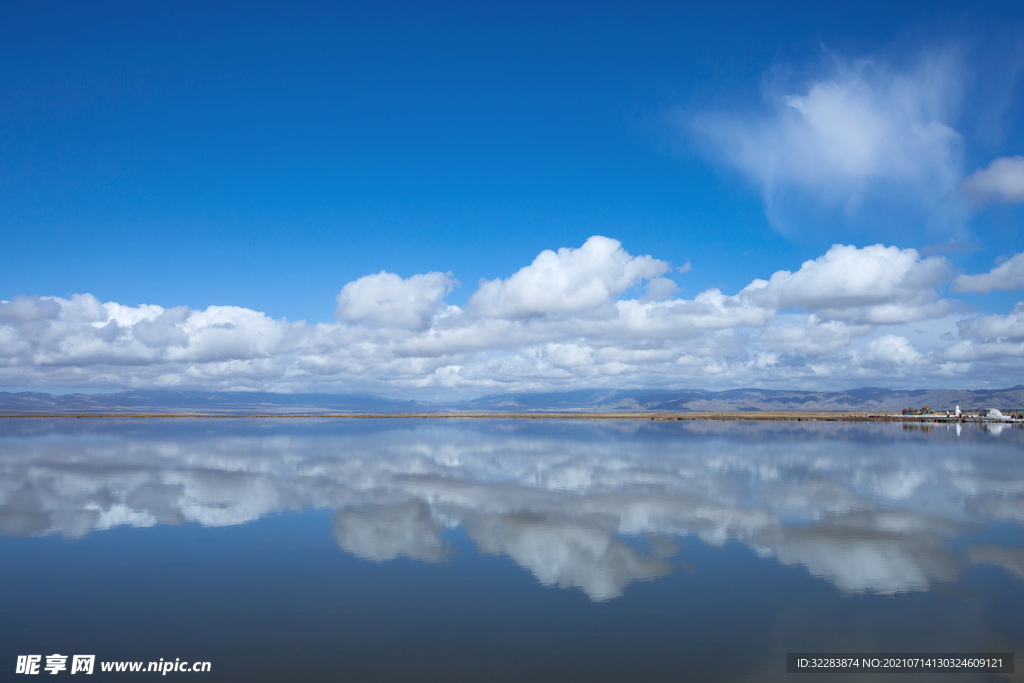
[{"x": 594, "y": 506}]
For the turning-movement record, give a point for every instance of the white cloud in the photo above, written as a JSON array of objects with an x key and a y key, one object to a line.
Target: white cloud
[
  {"x": 571, "y": 280},
  {"x": 165, "y": 329},
  {"x": 1002, "y": 181},
  {"x": 813, "y": 337},
  {"x": 29, "y": 308},
  {"x": 1007, "y": 276},
  {"x": 660, "y": 288},
  {"x": 891, "y": 350},
  {"x": 387, "y": 300},
  {"x": 995, "y": 326},
  {"x": 592, "y": 316},
  {"x": 861, "y": 131},
  {"x": 876, "y": 284}
]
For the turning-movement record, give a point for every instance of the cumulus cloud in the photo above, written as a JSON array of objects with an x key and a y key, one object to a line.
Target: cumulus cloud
[
  {"x": 387, "y": 300},
  {"x": 862, "y": 130},
  {"x": 891, "y": 350},
  {"x": 585, "y": 317},
  {"x": 995, "y": 326},
  {"x": 1007, "y": 276},
  {"x": 567, "y": 281},
  {"x": 1002, "y": 181},
  {"x": 876, "y": 284},
  {"x": 813, "y": 337},
  {"x": 29, "y": 308}
]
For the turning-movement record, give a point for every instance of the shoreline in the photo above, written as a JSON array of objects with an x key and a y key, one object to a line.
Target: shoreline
[{"x": 761, "y": 416}]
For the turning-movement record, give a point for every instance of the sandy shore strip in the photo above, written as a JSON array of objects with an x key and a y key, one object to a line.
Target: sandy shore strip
[{"x": 658, "y": 417}]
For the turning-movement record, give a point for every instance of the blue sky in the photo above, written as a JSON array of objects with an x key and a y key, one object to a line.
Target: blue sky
[{"x": 262, "y": 157}]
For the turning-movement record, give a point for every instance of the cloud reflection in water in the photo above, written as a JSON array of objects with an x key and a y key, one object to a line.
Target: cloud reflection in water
[{"x": 866, "y": 507}]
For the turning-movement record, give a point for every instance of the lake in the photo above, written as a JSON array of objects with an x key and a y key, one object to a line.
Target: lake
[{"x": 507, "y": 550}]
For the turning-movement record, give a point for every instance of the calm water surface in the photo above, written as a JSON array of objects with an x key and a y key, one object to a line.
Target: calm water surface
[{"x": 507, "y": 550}]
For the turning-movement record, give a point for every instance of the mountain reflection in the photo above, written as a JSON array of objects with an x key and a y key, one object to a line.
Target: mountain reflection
[{"x": 589, "y": 505}]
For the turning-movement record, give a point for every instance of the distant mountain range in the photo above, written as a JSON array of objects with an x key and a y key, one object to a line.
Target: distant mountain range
[
  {"x": 854, "y": 400},
  {"x": 213, "y": 402}
]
